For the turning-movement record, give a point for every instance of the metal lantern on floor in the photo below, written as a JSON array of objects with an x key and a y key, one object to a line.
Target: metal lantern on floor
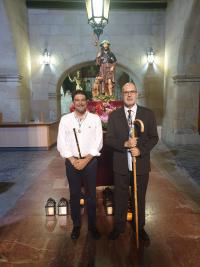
[
  {"x": 108, "y": 201},
  {"x": 129, "y": 216},
  {"x": 82, "y": 202},
  {"x": 63, "y": 206},
  {"x": 50, "y": 207},
  {"x": 107, "y": 195}
]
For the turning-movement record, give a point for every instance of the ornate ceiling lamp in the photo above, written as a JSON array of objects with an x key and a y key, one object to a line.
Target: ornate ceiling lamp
[{"x": 97, "y": 11}]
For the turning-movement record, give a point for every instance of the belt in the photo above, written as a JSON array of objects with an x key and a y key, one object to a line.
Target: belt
[{"x": 80, "y": 158}]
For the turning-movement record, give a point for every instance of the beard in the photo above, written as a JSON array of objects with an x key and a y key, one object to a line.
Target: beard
[{"x": 81, "y": 109}]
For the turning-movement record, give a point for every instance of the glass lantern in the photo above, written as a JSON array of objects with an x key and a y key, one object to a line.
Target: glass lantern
[
  {"x": 82, "y": 200},
  {"x": 63, "y": 206},
  {"x": 50, "y": 207},
  {"x": 129, "y": 216}
]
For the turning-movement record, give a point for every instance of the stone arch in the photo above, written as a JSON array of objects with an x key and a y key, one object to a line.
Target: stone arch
[{"x": 84, "y": 59}]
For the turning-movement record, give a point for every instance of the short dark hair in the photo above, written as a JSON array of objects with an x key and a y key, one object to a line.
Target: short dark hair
[{"x": 78, "y": 92}]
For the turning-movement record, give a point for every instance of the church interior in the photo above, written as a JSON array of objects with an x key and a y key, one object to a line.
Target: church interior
[{"x": 48, "y": 50}]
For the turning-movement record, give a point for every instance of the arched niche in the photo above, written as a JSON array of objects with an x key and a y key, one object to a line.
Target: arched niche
[{"x": 123, "y": 74}]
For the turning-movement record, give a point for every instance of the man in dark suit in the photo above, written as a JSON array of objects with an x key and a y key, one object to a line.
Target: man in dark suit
[{"x": 124, "y": 148}]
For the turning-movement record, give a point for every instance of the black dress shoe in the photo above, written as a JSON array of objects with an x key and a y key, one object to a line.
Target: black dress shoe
[
  {"x": 95, "y": 233},
  {"x": 143, "y": 235},
  {"x": 75, "y": 232},
  {"x": 114, "y": 234}
]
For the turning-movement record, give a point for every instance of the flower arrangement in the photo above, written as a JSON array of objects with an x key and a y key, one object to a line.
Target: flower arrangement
[{"x": 102, "y": 108}]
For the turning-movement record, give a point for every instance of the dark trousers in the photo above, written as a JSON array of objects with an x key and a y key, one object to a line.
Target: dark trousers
[
  {"x": 87, "y": 176},
  {"x": 121, "y": 196}
]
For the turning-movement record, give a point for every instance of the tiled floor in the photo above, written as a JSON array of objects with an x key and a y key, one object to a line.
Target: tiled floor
[{"x": 29, "y": 238}]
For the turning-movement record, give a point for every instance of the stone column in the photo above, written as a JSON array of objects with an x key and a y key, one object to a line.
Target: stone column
[
  {"x": 181, "y": 118},
  {"x": 15, "y": 68}
]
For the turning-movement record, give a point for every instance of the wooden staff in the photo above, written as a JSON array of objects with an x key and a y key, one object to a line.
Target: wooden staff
[
  {"x": 77, "y": 143},
  {"x": 140, "y": 124}
]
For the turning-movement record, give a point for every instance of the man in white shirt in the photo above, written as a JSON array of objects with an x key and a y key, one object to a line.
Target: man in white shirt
[{"x": 79, "y": 141}]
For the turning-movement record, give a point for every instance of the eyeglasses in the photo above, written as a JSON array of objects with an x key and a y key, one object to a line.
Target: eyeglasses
[{"x": 130, "y": 92}]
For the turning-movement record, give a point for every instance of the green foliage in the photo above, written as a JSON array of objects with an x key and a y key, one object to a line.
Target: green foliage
[{"x": 105, "y": 98}]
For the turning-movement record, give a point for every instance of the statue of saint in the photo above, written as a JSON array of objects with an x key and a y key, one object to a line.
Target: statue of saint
[
  {"x": 107, "y": 62},
  {"x": 77, "y": 79}
]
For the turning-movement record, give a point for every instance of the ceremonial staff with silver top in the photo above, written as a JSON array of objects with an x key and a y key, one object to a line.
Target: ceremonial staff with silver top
[
  {"x": 126, "y": 148},
  {"x": 79, "y": 142}
]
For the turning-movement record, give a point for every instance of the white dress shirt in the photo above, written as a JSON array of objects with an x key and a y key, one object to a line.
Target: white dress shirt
[
  {"x": 89, "y": 134},
  {"x": 133, "y": 114}
]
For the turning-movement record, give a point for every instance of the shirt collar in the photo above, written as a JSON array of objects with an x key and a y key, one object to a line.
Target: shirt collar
[{"x": 134, "y": 109}]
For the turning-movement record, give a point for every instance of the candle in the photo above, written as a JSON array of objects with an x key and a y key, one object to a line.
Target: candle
[
  {"x": 62, "y": 210},
  {"x": 109, "y": 210},
  {"x": 50, "y": 210},
  {"x": 82, "y": 201},
  {"x": 129, "y": 216}
]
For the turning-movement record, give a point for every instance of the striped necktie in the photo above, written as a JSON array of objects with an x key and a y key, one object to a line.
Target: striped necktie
[{"x": 129, "y": 119}]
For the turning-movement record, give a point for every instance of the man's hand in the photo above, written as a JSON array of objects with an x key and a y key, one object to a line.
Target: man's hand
[
  {"x": 135, "y": 152},
  {"x": 132, "y": 142},
  {"x": 80, "y": 164},
  {"x": 72, "y": 160}
]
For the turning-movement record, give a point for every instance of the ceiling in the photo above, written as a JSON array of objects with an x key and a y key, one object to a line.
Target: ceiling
[{"x": 114, "y": 4}]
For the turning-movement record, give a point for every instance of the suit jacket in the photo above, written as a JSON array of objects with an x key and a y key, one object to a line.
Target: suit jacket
[{"x": 118, "y": 133}]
